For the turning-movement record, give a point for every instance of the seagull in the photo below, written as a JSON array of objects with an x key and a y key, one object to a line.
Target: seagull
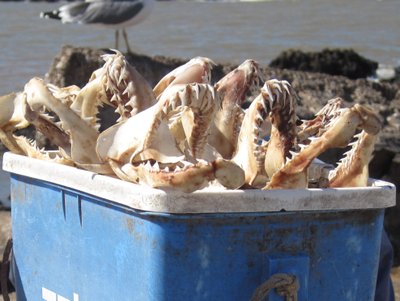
[{"x": 116, "y": 14}]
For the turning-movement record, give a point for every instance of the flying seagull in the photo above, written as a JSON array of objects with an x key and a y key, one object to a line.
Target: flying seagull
[{"x": 116, "y": 14}]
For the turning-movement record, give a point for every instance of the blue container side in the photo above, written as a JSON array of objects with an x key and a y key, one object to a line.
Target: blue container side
[{"x": 72, "y": 243}]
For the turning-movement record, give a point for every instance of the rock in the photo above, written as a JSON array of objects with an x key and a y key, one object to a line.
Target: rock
[
  {"x": 344, "y": 62},
  {"x": 75, "y": 65}
]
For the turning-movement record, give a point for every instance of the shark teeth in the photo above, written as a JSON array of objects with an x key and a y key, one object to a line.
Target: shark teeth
[{"x": 129, "y": 89}]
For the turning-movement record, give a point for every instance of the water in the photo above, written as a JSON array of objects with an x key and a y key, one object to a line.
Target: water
[{"x": 223, "y": 31}]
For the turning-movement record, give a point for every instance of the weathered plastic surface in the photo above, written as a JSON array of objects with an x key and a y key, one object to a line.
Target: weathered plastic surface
[
  {"x": 4, "y": 187},
  {"x": 380, "y": 195},
  {"x": 71, "y": 245}
]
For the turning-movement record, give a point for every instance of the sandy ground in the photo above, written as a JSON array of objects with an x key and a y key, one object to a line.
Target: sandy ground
[
  {"x": 4, "y": 185},
  {"x": 12, "y": 297},
  {"x": 396, "y": 282}
]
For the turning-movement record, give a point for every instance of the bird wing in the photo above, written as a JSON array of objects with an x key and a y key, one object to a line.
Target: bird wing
[
  {"x": 100, "y": 12},
  {"x": 72, "y": 13}
]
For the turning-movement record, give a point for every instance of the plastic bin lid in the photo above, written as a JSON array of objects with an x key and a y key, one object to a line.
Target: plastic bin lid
[{"x": 378, "y": 195}]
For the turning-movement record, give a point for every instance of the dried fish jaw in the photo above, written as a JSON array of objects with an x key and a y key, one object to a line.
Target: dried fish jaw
[
  {"x": 127, "y": 141},
  {"x": 250, "y": 152},
  {"x": 12, "y": 117},
  {"x": 237, "y": 84},
  {"x": 254, "y": 78},
  {"x": 210, "y": 153},
  {"x": 229, "y": 174},
  {"x": 124, "y": 86},
  {"x": 31, "y": 150},
  {"x": 233, "y": 89},
  {"x": 313, "y": 127},
  {"x": 337, "y": 133},
  {"x": 341, "y": 129},
  {"x": 225, "y": 130},
  {"x": 274, "y": 157},
  {"x": 117, "y": 84},
  {"x": 66, "y": 95},
  {"x": 144, "y": 148},
  {"x": 196, "y": 120},
  {"x": 352, "y": 171},
  {"x": 343, "y": 124},
  {"x": 188, "y": 180},
  {"x": 197, "y": 70},
  {"x": 45, "y": 124},
  {"x": 277, "y": 102},
  {"x": 293, "y": 180},
  {"x": 88, "y": 101},
  {"x": 8, "y": 140},
  {"x": 190, "y": 110},
  {"x": 293, "y": 174},
  {"x": 184, "y": 176},
  {"x": 371, "y": 122},
  {"x": 82, "y": 134},
  {"x": 157, "y": 130},
  {"x": 19, "y": 115},
  {"x": 283, "y": 102}
]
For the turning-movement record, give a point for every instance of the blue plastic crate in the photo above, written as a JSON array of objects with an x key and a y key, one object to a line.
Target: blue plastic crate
[{"x": 79, "y": 236}]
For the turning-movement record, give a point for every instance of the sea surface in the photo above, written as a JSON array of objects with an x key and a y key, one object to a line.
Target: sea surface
[{"x": 223, "y": 31}]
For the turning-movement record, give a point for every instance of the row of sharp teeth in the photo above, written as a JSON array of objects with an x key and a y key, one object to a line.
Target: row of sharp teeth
[
  {"x": 347, "y": 156},
  {"x": 129, "y": 90},
  {"x": 344, "y": 161},
  {"x": 172, "y": 105},
  {"x": 117, "y": 68},
  {"x": 93, "y": 121},
  {"x": 123, "y": 80},
  {"x": 259, "y": 120},
  {"x": 204, "y": 95},
  {"x": 156, "y": 166},
  {"x": 258, "y": 151},
  {"x": 181, "y": 99},
  {"x": 32, "y": 143},
  {"x": 276, "y": 84},
  {"x": 294, "y": 154}
]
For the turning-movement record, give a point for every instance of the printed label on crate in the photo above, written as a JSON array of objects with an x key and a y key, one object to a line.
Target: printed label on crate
[{"x": 49, "y": 295}]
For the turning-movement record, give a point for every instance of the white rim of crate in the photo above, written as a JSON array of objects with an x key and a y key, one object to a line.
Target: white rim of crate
[{"x": 380, "y": 194}]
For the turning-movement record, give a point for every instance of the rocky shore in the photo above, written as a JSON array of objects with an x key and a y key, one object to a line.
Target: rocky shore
[{"x": 316, "y": 78}]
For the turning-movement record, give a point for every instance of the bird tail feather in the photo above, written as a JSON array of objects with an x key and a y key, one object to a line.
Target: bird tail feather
[{"x": 55, "y": 14}]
